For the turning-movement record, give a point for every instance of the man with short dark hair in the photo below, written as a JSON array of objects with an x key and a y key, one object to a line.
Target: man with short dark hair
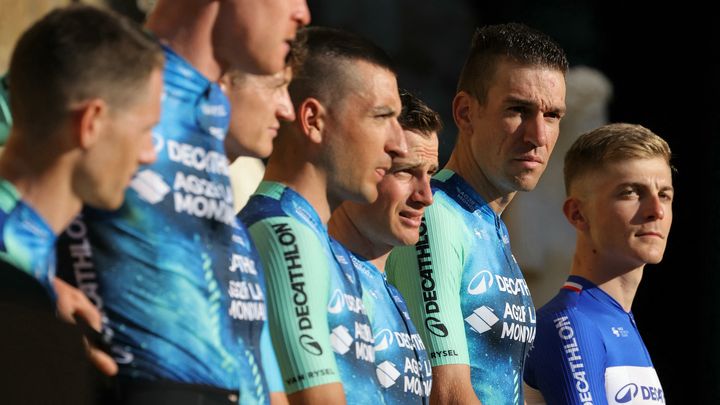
[
  {"x": 86, "y": 94},
  {"x": 339, "y": 147},
  {"x": 369, "y": 232},
  {"x": 462, "y": 285},
  {"x": 172, "y": 269}
]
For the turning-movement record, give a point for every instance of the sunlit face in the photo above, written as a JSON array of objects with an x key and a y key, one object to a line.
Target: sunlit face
[
  {"x": 628, "y": 209},
  {"x": 514, "y": 133},
  {"x": 124, "y": 143},
  {"x": 258, "y": 103},
  {"x": 362, "y": 133},
  {"x": 254, "y": 36},
  {"x": 394, "y": 218}
]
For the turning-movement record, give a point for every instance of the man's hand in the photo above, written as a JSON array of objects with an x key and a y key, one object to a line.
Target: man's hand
[{"x": 72, "y": 304}]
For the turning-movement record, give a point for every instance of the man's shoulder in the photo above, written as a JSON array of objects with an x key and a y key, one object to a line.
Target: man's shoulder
[
  {"x": 280, "y": 223},
  {"x": 561, "y": 303},
  {"x": 263, "y": 208},
  {"x": 565, "y": 309},
  {"x": 446, "y": 212},
  {"x": 290, "y": 237}
]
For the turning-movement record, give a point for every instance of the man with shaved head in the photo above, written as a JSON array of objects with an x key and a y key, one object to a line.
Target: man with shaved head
[
  {"x": 370, "y": 231},
  {"x": 340, "y": 146}
]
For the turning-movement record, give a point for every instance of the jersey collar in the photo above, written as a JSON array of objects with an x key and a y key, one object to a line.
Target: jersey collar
[
  {"x": 582, "y": 285},
  {"x": 464, "y": 195}
]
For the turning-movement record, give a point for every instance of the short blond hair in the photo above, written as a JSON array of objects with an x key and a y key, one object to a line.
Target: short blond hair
[{"x": 609, "y": 144}]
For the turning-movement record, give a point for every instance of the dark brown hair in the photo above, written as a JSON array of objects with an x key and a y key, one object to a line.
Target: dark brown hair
[
  {"x": 516, "y": 42},
  {"x": 417, "y": 116},
  {"x": 74, "y": 54}
]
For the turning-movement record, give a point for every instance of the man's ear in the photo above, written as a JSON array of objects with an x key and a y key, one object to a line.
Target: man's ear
[
  {"x": 311, "y": 117},
  {"x": 89, "y": 121},
  {"x": 462, "y": 111},
  {"x": 573, "y": 210}
]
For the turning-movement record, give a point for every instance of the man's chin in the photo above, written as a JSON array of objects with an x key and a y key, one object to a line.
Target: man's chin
[
  {"x": 107, "y": 204},
  {"x": 406, "y": 238},
  {"x": 369, "y": 194},
  {"x": 526, "y": 184}
]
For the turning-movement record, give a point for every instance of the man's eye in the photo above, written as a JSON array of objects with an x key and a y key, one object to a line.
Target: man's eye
[
  {"x": 553, "y": 115},
  {"x": 403, "y": 173}
]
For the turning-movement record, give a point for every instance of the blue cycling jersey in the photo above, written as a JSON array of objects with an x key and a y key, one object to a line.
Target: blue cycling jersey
[
  {"x": 588, "y": 350},
  {"x": 466, "y": 292},
  {"x": 320, "y": 328},
  {"x": 26, "y": 242},
  {"x": 173, "y": 270},
  {"x": 402, "y": 365}
]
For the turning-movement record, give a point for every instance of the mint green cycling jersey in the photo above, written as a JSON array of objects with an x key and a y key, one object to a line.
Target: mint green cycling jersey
[
  {"x": 318, "y": 323},
  {"x": 465, "y": 292}
]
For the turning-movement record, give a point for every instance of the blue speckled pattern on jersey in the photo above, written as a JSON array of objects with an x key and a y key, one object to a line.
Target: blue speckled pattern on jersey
[
  {"x": 589, "y": 350},
  {"x": 402, "y": 366},
  {"x": 351, "y": 336},
  {"x": 495, "y": 301},
  {"x": 27, "y": 242},
  {"x": 173, "y": 271}
]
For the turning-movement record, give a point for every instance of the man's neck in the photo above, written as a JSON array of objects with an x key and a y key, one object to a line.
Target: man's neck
[
  {"x": 302, "y": 176},
  {"x": 619, "y": 280},
  {"x": 187, "y": 28},
  {"x": 44, "y": 181},
  {"x": 466, "y": 166},
  {"x": 342, "y": 227}
]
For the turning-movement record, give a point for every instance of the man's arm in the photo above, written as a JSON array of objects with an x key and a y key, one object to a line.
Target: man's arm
[
  {"x": 271, "y": 368},
  {"x": 428, "y": 276},
  {"x": 298, "y": 277},
  {"x": 567, "y": 362},
  {"x": 456, "y": 388},
  {"x": 322, "y": 394}
]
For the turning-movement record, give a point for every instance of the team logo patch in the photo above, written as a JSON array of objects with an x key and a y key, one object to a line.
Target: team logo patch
[
  {"x": 436, "y": 327},
  {"x": 626, "y": 393},
  {"x": 341, "y": 339},
  {"x": 336, "y": 302},
  {"x": 150, "y": 186},
  {"x": 387, "y": 374},
  {"x": 384, "y": 339},
  {"x": 310, "y": 345},
  {"x": 619, "y": 331},
  {"x": 482, "y": 319},
  {"x": 158, "y": 142},
  {"x": 479, "y": 284}
]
